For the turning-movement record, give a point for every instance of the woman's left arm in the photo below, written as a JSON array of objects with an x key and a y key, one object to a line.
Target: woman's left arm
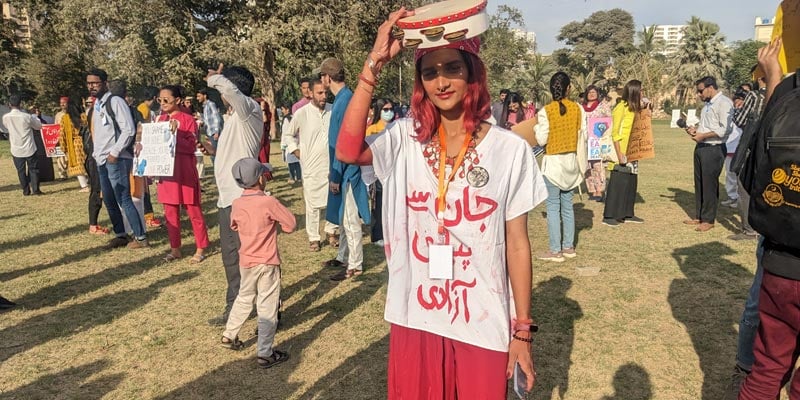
[{"x": 518, "y": 256}]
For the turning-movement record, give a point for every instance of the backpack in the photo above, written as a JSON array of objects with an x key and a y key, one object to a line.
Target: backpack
[
  {"x": 771, "y": 174},
  {"x": 113, "y": 117}
]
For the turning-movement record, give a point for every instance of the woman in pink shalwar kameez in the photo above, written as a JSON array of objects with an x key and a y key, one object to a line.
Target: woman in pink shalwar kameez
[{"x": 183, "y": 187}]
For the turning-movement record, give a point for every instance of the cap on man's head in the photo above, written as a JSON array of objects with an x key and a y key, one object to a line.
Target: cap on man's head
[
  {"x": 333, "y": 68},
  {"x": 247, "y": 170}
]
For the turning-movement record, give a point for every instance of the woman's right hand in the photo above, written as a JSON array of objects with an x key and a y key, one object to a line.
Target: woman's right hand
[{"x": 386, "y": 46}]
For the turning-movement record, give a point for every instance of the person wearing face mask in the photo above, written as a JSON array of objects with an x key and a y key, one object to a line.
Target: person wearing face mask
[{"x": 383, "y": 114}]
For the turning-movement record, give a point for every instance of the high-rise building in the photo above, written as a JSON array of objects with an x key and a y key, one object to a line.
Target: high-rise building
[
  {"x": 530, "y": 37},
  {"x": 763, "y": 29},
  {"x": 671, "y": 36},
  {"x": 19, "y": 17}
]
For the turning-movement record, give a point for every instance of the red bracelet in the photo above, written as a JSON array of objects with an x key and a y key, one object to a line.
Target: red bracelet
[{"x": 364, "y": 79}]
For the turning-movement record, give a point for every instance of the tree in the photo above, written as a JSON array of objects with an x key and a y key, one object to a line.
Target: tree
[
  {"x": 703, "y": 53},
  {"x": 743, "y": 58},
  {"x": 11, "y": 58},
  {"x": 505, "y": 54},
  {"x": 597, "y": 40}
]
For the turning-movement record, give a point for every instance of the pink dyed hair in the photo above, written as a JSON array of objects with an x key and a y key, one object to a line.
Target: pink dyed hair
[{"x": 476, "y": 104}]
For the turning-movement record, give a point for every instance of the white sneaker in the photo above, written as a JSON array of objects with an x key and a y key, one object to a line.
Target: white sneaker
[{"x": 378, "y": 243}]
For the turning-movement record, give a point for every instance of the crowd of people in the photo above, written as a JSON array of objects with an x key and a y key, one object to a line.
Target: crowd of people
[{"x": 439, "y": 183}]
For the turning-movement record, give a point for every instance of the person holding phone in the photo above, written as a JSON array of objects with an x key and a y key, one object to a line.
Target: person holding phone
[{"x": 459, "y": 191}]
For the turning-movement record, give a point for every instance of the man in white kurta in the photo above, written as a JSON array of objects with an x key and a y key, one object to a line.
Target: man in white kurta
[{"x": 308, "y": 140}]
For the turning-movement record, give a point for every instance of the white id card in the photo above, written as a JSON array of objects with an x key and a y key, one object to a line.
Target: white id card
[{"x": 440, "y": 261}]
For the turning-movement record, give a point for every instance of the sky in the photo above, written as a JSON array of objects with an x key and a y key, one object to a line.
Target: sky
[{"x": 546, "y": 17}]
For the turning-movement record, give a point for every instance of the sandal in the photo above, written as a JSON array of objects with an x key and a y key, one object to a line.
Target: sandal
[
  {"x": 344, "y": 275},
  {"x": 229, "y": 344},
  {"x": 276, "y": 358},
  {"x": 153, "y": 223},
  {"x": 313, "y": 246},
  {"x": 170, "y": 257},
  {"x": 197, "y": 259},
  {"x": 333, "y": 241},
  {"x": 97, "y": 230}
]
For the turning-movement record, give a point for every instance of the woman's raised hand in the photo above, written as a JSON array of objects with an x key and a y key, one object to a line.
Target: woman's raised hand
[{"x": 386, "y": 45}]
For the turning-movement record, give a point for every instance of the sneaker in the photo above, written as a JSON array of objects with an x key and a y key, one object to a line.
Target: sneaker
[
  {"x": 743, "y": 236},
  {"x": 569, "y": 253},
  {"x": 635, "y": 220},
  {"x": 118, "y": 241},
  {"x": 610, "y": 222},
  {"x": 231, "y": 344},
  {"x": 734, "y": 205},
  {"x": 138, "y": 244},
  {"x": 378, "y": 243},
  {"x": 735, "y": 384},
  {"x": 730, "y": 202},
  {"x": 550, "y": 256}
]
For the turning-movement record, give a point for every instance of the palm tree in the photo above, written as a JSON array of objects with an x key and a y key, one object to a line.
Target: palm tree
[
  {"x": 539, "y": 71},
  {"x": 703, "y": 53}
]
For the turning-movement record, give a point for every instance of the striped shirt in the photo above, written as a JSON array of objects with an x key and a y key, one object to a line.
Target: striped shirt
[{"x": 751, "y": 109}]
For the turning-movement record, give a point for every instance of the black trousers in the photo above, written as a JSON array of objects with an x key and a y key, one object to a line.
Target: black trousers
[
  {"x": 621, "y": 194},
  {"x": 28, "y": 173},
  {"x": 377, "y": 214},
  {"x": 229, "y": 247},
  {"x": 95, "y": 201},
  {"x": 708, "y": 163}
]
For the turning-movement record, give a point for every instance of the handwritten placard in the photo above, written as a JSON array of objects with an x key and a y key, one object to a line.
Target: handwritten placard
[
  {"x": 157, "y": 157},
  {"x": 597, "y": 128},
  {"x": 50, "y": 135},
  {"x": 787, "y": 27},
  {"x": 641, "y": 145}
]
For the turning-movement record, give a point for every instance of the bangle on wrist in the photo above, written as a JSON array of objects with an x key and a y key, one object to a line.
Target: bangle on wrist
[
  {"x": 366, "y": 80},
  {"x": 522, "y": 339}
]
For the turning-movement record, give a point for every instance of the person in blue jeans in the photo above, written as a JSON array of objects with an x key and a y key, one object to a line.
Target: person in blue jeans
[
  {"x": 561, "y": 128},
  {"x": 112, "y": 136},
  {"x": 748, "y": 326}
]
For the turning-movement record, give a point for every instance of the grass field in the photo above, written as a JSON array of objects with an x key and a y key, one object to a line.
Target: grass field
[{"x": 658, "y": 322}]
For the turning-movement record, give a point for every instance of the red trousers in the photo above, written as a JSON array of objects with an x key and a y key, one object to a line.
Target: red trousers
[
  {"x": 426, "y": 366},
  {"x": 173, "y": 217},
  {"x": 776, "y": 346}
]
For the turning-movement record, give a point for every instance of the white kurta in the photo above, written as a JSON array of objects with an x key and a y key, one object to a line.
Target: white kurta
[{"x": 309, "y": 133}]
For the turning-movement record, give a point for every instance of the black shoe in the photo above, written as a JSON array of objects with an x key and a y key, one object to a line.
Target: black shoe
[
  {"x": 116, "y": 242},
  {"x": 610, "y": 222},
  {"x": 38, "y": 193},
  {"x": 5, "y": 303},
  {"x": 635, "y": 220}
]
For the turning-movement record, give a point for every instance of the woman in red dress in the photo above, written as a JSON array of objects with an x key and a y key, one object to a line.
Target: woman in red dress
[{"x": 183, "y": 187}]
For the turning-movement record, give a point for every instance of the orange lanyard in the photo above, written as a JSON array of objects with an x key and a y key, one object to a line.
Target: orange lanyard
[{"x": 444, "y": 184}]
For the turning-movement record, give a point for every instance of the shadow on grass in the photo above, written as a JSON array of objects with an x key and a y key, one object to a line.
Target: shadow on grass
[
  {"x": 685, "y": 200},
  {"x": 43, "y": 238},
  {"x": 556, "y": 315},
  {"x": 631, "y": 382},
  {"x": 584, "y": 219},
  {"x": 78, "y": 318},
  {"x": 10, "y": 188},
  {"x": 8, "y": 217},
  {"x": 355, "y": 377},
  {"x": 704, "y": 301},
  {"x": 65, "y": 290},
  {"x": 283, "y": 382},
  {"x": 70, "y": 383}
]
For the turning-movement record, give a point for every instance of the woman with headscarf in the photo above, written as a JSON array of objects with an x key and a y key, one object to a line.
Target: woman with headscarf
[
  {"x": 561, "y": 128},
  {"x": 594, "y": 107},
  {"x": 459, "y": 190},
  {"x": 71, "y": 143},
  {"x": 621, "y": 194},
  {"x": 183, "y": 187}
]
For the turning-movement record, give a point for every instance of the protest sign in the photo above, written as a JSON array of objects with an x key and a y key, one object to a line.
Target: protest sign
[
  {"x": 641, "y": 145},
  {"x": 598, "y": 127},
  {"x": 50, "y": 135},
  {"x": 157, "y": 157}
]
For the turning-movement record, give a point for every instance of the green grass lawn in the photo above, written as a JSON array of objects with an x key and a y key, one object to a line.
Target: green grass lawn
[{"x": 658, "y": 322}]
